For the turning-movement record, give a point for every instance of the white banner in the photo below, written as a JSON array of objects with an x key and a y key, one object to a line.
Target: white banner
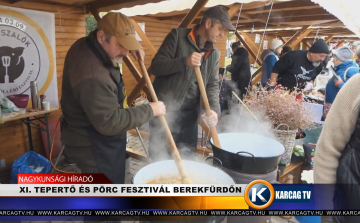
[
  {"x": 121, "y": 190},
  {"x": 27, "y": 52}
]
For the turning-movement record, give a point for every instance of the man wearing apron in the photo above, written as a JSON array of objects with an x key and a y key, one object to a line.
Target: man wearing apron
[{"x": 94, "y": 102}]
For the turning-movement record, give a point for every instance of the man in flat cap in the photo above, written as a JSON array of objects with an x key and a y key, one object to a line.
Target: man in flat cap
[
  {"x": 94, "y": 102},
  {"x": 175, "y": 81}
]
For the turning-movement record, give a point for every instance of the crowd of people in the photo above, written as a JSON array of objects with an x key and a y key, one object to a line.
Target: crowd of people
[{"x": 96, "y": 115}]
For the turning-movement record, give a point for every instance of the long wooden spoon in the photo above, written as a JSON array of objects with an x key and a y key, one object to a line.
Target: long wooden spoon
[
  {"x": 175, "y": 152},
  {"x": 200, "y": 81}
]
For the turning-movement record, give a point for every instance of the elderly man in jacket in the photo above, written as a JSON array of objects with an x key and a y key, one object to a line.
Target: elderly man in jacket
[
  {"x": 94, "y": 103},
  {"x": 175, "y": 81}
]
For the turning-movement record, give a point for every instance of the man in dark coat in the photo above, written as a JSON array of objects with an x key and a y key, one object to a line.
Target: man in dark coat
[{"x": 240, "y": 68}]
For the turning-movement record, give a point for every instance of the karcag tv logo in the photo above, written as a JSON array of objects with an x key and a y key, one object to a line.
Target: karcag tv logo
[{"x": 259, "y": 194}]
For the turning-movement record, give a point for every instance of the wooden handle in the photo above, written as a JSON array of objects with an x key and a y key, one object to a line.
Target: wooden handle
[
  {"x": 213, "y": 131},
  {"x": 247, "y": 108},
  {"x": 164, "y": 124}
]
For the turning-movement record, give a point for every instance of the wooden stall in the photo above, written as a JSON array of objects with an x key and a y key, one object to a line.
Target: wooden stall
[
  {"x": 285, "y": 22},
  {"x": 69, "y": 26}
]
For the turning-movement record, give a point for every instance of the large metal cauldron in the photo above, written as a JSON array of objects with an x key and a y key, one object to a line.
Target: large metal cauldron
[
  {"x": 248, "y": 153},
  {"x": 198, "y": 173}
]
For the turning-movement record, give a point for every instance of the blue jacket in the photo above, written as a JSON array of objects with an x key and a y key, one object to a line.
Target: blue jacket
[
  {"x": 331, "y": 89},
  {"x": 268, "y": 58}
]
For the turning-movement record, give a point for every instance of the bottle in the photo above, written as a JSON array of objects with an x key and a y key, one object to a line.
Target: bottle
[{"x": 34, "y": 95}]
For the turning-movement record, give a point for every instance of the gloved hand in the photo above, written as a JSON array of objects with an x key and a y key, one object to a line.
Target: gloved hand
[{"x": 211, "y": 120}]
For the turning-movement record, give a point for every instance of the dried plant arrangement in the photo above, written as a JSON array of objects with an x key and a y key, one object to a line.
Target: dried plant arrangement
[{"x": 280, "y": 107}]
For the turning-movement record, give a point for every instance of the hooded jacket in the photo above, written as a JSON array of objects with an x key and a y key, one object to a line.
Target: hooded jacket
[
  {"x": 351, "y": 68},
  {"x": 240, "y": 65}
]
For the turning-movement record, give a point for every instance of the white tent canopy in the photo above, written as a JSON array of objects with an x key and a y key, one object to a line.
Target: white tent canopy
[{"x": 347, "y": 11}]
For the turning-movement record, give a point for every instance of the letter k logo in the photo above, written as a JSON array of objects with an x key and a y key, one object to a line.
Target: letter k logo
[{"x": 258, "y": 194}]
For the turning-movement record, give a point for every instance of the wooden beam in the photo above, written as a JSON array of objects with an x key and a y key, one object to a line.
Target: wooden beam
[
  {"x": 129, "y": 63},
  {"x": 252, "y": 18},
  {"x": 248, "y": 48},
  {"x": 296, "y": 35},
  {"x": 251, "y": 45},
  {"x": 141, "y": 81},
  {"x": 194, "y": 11},
  {"x": 135, "y": 72},
  {"x": 143, "y": 37},
  {"x": 95, "y": 13},
  {"x": 283, "y": 39},
  {"x": 233, "y": 10},
  {"x": 256, "y": 76},
  {"x": 339, "y": 44},
  {"x": 256, "y": 73},
  {"x": 306, "y": 43},
  {"x": 329, "y": 38},
  {"x": 300, "y": 38},
  {"x": 136, "y": 91}
]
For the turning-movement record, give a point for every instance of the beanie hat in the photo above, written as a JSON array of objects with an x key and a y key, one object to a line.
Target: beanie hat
[
  {"x": 275, "y": 43},
  {"x": 319, "y": 46},
  {"x": 343, "y": 53}
]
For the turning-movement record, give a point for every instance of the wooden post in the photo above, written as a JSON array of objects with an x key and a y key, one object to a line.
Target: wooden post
[
  {"x": 143, "y": 37},
  {"x": 233, "y": 10},
  {"x": 194, "y": 11},
  {"x": 256, "y": 76},
  {"x": 339, "y": 44},
  {"x": 306, "y": 44},
  {"x": 300, "y": 38},
  {"x": 329, "y": 38},
  {"x": 95, "y": 13},
  {"x": 247, "y": 46},
  {"x": 296, "y": 35},
  {"x": 283, "y": 39}
]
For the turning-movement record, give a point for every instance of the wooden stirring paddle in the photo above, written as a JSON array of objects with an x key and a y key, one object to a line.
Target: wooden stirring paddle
[
  {"x": 200, "y": 81},
  {"x": 178, "y": 161}
]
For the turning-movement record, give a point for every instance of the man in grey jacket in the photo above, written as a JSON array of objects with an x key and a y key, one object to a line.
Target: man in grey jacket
[{"x": 176, "y": 85}]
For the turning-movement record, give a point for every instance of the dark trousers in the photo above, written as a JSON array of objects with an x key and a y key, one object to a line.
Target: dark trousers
[
  {"x": 83, "y": 157},
  {"x": 243, "y": 84},
  {"x": 184, "y": 129}
]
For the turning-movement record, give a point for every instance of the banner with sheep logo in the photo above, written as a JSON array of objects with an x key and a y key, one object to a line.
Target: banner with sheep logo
[{"x": 27, "y": 52}]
